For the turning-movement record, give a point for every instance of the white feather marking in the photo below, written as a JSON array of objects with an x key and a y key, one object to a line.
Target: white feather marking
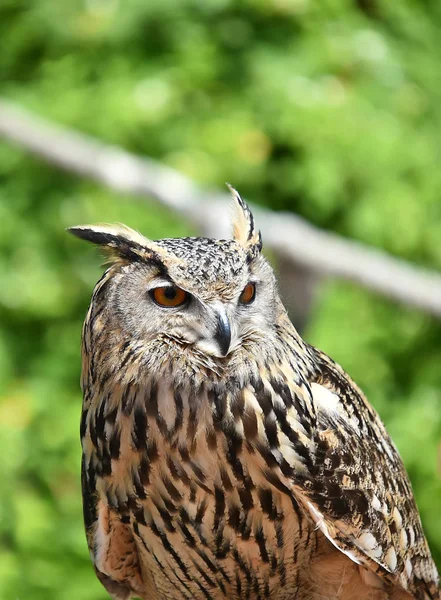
[
  {"x": 330, "y": 403},
  {"x": 408, "y": 567},
  {"x": 376, "y": 504},
  {"x": 101, "y": 537},
  {"x": 387, "y": 449},
  {"x": 366, "y": 541},
  {"x": 326, "y": 400},
  {"x": 396, "y": 515},
  {"x": 403, "y": 539},
  {"x": 376, "y": 552},
  {"x": 390, "y": 558}
]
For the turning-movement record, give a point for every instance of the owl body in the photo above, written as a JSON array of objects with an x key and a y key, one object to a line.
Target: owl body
[{"x": 223, "y": 457}]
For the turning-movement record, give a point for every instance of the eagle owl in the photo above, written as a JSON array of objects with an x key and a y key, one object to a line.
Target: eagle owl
[{"x": 223, "y": 456}]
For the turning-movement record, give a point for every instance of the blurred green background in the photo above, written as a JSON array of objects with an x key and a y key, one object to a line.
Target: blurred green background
[{"x": 330, "y": 109}]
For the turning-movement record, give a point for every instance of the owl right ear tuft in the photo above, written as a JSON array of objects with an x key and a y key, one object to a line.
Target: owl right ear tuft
[
  {"x": 245, "y": 231},
  {"x": 118, "y": 241}
]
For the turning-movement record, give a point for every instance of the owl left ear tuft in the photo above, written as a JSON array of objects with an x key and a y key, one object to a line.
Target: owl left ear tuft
[
  {"x": 118, "y": 241},
  {"x": 245, "y": 232}
]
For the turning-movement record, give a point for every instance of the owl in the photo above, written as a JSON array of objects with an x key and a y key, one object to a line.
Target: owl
[{"x": 223, "y": 456}]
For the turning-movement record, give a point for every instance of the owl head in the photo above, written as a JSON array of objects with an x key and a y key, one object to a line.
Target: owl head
[{"x": 204, "y": 294}]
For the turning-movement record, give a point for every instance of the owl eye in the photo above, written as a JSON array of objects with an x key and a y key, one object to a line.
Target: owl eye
[
  {"x": 248, "y": 294},
  {"x": 169, "y": 296}
]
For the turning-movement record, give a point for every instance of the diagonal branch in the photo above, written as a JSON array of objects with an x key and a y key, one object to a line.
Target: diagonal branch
[{"x": 291, "y": 237}]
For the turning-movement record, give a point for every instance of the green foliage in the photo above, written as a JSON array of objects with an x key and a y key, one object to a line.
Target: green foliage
[{"x": 330, "y": 109}]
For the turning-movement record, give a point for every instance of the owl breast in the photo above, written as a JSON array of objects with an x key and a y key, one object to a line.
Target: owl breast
[
  {"x": 224, "y": 457},
  {"x": 207, "y": 512}
]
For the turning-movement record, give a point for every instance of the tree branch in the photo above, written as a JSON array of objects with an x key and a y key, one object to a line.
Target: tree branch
[{"x": 291, "y": 237}]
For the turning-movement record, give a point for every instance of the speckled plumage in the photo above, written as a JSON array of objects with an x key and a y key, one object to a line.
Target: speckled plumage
[{"x": 259, "y": 472}]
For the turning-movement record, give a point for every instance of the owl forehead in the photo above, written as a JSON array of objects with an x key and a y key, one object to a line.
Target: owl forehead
[{"x": 208, "y": 266}]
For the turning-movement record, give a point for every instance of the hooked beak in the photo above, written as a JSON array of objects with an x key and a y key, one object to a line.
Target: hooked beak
[{"x": 223, "y": 333}]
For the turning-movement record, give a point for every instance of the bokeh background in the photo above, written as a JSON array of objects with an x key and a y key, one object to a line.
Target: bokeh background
[{"x": 330, "y": 109}]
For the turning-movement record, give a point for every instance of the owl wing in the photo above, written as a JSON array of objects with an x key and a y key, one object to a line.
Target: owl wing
[
  {"x": 110, "y": 540},
  {"x": 95, "y": 531},
  {"x": 357, "y": 491}
]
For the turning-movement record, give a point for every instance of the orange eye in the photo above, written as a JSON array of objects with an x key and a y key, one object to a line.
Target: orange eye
[
  {"x": 169, "y": 296},
  {"x": 248, "y": 294}
]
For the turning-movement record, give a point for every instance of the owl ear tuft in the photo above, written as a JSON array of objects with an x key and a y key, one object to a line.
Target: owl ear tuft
[
  {"x": 244, "y": 228},
  {"x": 118, "y": 241}
]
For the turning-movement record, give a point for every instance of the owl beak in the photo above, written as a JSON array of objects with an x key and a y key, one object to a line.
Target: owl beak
[{"x": 223, "y": 333}]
